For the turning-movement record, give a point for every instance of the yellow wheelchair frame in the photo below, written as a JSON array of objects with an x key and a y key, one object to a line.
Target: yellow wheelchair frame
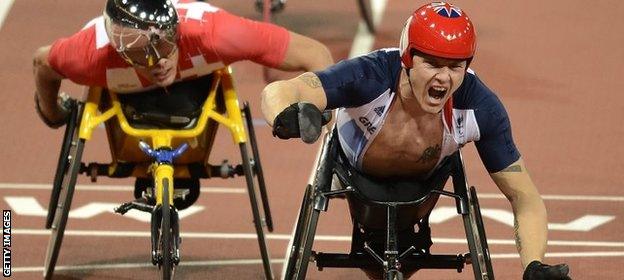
[{"x": 165, "y": 232}]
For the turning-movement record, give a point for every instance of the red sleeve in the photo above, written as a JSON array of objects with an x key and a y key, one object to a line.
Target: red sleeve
[
  {"x": 236, "y": 38},
  {"x": 73, "y": 57}
]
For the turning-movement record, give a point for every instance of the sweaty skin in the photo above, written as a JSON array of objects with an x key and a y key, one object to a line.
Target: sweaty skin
[{"x": 412, "y": 134}]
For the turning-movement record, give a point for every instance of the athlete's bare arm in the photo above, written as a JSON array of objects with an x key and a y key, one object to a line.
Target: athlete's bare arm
[
  {"x": 278, "y": 95},
  {"x": 305, "y": 54},
  {"x": 530, "y": 223},
  {"x": 47, "y": 84}
]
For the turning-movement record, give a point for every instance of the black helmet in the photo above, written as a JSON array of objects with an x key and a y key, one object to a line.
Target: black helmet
[{"x": 142, "y": 14}]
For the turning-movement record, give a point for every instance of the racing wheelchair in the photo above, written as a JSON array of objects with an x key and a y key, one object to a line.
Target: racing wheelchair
[
  {"x": 391, "y": 237},
  {"x": 168, "y": 169}
]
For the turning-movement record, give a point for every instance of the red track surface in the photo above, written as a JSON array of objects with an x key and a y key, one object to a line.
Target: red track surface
[{"x": 556, "y": 67}]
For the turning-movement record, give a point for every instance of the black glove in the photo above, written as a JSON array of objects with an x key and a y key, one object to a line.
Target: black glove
[
  {"x": 65, "y": 105},
  {"x": 300, "y": 120},
  {"x": 539, "y": 271}
]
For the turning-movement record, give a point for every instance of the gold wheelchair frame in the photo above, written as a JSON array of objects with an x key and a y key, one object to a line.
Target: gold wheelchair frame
[{"x": 157, "y": 162}]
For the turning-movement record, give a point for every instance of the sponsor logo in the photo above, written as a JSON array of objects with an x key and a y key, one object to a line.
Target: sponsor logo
[
  {"x": 379, "y": 110},
  {"x": 460, "y": 125},
  {"x": 369, "y": 126}
]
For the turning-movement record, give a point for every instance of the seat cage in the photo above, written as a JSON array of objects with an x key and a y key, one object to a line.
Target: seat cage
[{"x": 379, "y": 220}]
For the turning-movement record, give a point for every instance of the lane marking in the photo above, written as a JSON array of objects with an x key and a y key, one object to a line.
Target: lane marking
[
  {"x": 119, "y": 188},
  {"x": 566, "y": 255},
  {"x": 108, "y": 188},
  {"x": 364, "y": 40},
  {"x": 29, "y": 206},
  {"x": 142, "y": 265},
  {"x": 277, "y": 261},
  {"x": 271, "y": 236},
  {"x": 560, "y": 197},
  {"x": 5, "y": 6}
]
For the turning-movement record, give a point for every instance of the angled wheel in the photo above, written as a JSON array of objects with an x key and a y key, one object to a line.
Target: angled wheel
[
  {"x": 266, "y": 262},
  {"x": 258, "y": 167},
  {"x": 366, "y": 12},
  {"x": 305, "y": 229},
  {"x": 64, "y": 197},
  {"x": 477, "y": 240},
  {"x": 63, "y": 162}
]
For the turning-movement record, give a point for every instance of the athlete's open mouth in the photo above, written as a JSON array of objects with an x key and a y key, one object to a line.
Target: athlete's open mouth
[{"x": 437, "y": 92}]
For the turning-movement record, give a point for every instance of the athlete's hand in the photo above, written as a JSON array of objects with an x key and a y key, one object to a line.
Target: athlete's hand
[
  {"x": 539, "y": 271},
  {"x": 299, "y": 120},
  {"x": 58, "y": 115}
]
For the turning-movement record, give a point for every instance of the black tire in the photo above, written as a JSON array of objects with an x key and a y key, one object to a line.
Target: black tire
[
  {"x": 485, "y": 260},
  {"x": 61, "y": 213},
  {"x": 166, "y": 240},
  {"x": 394, "y": 275},
  {"x": 63, "y": 163},
  {"x": 366, "y": 12},
  {"x": 303, "y": 239},
  {"x": 266, "y": 262},
  {"x": 477, "y": 241},
  {"x": 258, "y": 167}
]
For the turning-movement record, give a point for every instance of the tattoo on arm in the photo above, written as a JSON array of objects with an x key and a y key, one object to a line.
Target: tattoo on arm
[
  {"x": 311, "y": 80},
  {"x": 517, "y": 236},
  {"x": 430, "y": 153},
  {"x": 513, "y": 168}
]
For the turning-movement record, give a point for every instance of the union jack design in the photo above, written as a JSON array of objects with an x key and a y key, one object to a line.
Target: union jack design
[{"x": 446, "y": 10}]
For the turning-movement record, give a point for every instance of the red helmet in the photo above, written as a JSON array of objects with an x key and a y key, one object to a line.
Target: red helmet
[{"x": 439, "y": 29}]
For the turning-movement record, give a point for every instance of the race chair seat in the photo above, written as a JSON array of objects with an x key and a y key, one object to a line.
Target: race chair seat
[{"x": 391, "y": 237}]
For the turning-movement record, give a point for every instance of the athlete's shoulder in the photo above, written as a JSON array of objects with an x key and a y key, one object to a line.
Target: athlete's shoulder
[
  {"x": 386, "y": 60},
  {"x": 84, "y": 56},
  {"x": 474, "y": 94}
]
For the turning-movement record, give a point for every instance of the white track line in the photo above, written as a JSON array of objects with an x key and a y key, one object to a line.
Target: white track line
[
  {"x": 5, "y": 6},
  {"x": 107, "y": 188},
  {"x": 560, "y": 197},
  {"x": 259, "y": 261},
  {"x": 141, "y": 265},
  {"x": 335, "y": 238},
  {"x": 116, "y": 188}
]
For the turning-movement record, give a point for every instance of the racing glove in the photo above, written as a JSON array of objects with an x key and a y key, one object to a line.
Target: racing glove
[
  {"x": 300, "y": 120},
  {"x": 65, "y": 104},
  {"x": 536, "y": 270}
]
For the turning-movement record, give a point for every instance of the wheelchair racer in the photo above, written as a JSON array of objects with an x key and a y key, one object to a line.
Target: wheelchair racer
[
  {"x": 416, "y": 105},
  {"x": 139, "y": 45}
]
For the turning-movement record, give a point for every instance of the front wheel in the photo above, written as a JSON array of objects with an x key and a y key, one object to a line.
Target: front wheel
[
  {"x": 166, "y": 237},
  {"x": 477, "y": 240},
  {"x": 394, "y": 275}
]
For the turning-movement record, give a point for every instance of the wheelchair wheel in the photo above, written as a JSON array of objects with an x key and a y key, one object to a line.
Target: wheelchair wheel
[
  {"x": 63, "y": 162},
  {"x": 366, "y": 12},
  {"x": 394, "y": 275},
  {"x": 266, "y": 262},
  {"x": 63, "y": 204},
  {"x": 258, "y": 167},
  {"x": 301, "y": 249},
  {"x": 166, "y": 237},
  {"x": 477, "y": 240}
]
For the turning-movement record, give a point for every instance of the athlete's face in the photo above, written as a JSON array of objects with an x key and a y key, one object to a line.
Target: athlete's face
[
  {"x": 153, "y": 53},
  {"x": 433, "y": 80},
  {"x": 163, "y": 73}
]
